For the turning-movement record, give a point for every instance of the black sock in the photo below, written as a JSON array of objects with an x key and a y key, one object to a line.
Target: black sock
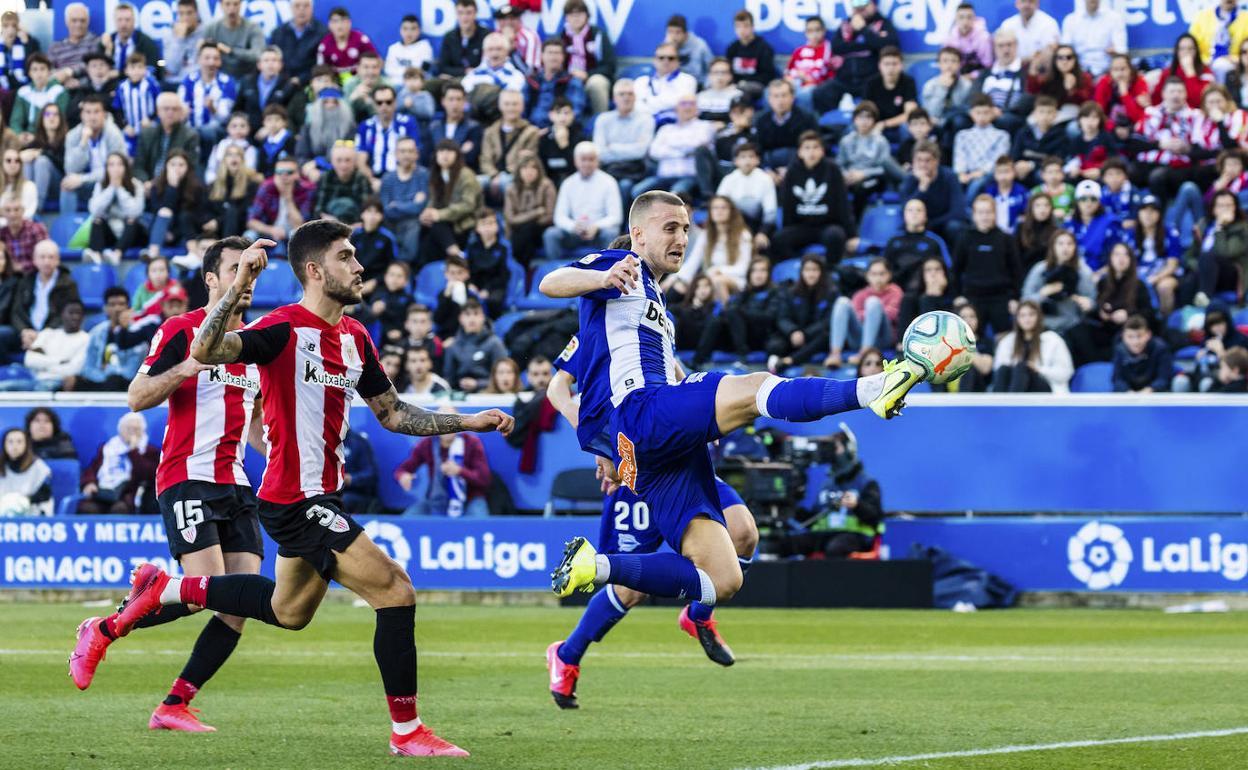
[
  {"x": 394, "y": 646},
  {"x": 166, "y": 614},
  {"x": 247, "y": 596},
  {"x": 212, "y": 648}
]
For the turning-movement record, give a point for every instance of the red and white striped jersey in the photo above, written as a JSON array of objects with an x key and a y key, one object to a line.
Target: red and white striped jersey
[
  {"x": 208, "y": 414},
  {"x": 310, "y": 372}
]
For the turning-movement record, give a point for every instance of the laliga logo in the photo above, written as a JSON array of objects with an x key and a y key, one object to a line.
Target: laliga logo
[
  {"x": 390, "y": 538},
  {"x": 1099, "y": 555}
]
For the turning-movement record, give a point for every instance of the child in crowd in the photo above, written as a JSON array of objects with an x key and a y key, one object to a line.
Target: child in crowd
[
  {"x": 1038, "y": 140},
  {"x": 1142, "y": 363},
  {"x": 488, "y": 274},
  {"x": 1118, "y": 195},
  {"x": 135, "y": 99},
  {"x": 413, "y": 98},
  {"x": 454, "y": 296},
  {"x": 976, "y": 149},
  {"x": 866, "y": 159},
  {"x": 1092, "y": 146},
  {"x": 1053, "y": 183},
  {"x": 750, "y": 189},
  {"x": 556, "y": 145},
  {"x": 389, "y": 303},
  {"x": 237, "y": 133},
  {"x": 375, "y": 246},
  {"x": 1009, "y": 195},
  {"x": 919, "y": 128},
  {"x": 417, "y": 332},
  {"x": 273, "y": 139}
]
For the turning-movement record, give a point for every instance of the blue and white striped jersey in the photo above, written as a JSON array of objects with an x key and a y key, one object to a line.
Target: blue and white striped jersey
[{"x": 626, "y": 343}]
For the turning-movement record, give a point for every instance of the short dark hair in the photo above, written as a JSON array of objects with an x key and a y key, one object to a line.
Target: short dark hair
[
  {"x": 890, "y": 51},
  {"x": 1137, "y": 323},
  {"x": 809, "y": 136},
  {"x": 1051, "y": 160},
  {"x": 981, "y": 100},
  {"x": 918, "y": 113},
  {"x": 278, "y": 110},
  {"x": 1003, "y": 160},
  {"x": 409, "y": 19},
  {"x": 212, "y": 255},
  {"x": 485, "y": 212},
  {"x": 135, "y": 58},
  {"x": 949, "y": 51},
  {"x": 1237, "y": 359},
  {"x": 310, "y": 241},
  {"x": 341, "y": 12},
  {"x": 867, "y": 107},
  {"x": 373, "y": 202},
  {"x": 560, "y": 102},
  {"x": 928, "y": 148},
  {"x": 539, "y": 359},
  {"x": 454, "y": 85},
  {"x": 1114, "y": 162},
  {"x": 621, "y": 242},
  {"x": 417, "y": 307},
  {"x": 471, "y": 304},
  {"x": 99, "y": 100},
  {"x": 572, "y": 6},
  {"x": 743, "y": 15},
  {"x": 818, "y": 19},
  {"x": 553, "y": 42},
  {"x": 116, "y": 291},
  {"x": 384, "y": 87},
  {"x": 40, "y": 58},
  {"x": 1044, "y": 100},
  {"x": 405, "y": 267},
  {"x": 455, "y": 260},
  {"x": 370, "y": 55},
  {"x": 746, "y": 147},
  {"x": 678, "y": 21}
]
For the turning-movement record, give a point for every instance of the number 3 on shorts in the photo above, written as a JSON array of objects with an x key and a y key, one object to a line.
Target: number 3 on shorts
[{"x": 188, "y": 513}]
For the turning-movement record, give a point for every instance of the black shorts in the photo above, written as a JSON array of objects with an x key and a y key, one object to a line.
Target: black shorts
[
  {"x": 200, "y": 514},
  {"x": 313, "y": 529}
]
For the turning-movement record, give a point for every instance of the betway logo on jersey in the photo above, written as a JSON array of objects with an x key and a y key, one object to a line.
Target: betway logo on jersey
[
  {"x": 313, "y": 373},
  {"x": 1102, "y": 555},
  {"x": 656, "y": 319},
  {"x": 219, "y": 374}
]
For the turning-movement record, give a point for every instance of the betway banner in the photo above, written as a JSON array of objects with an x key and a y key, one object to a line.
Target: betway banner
[
  {"x": 636, "y": 26},
  {"x": 100, "y": 551},
  {"x": 1198, "y": 553}
]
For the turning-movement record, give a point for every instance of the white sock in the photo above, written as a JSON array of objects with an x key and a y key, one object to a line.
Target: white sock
[
  {"x": 708, "y": 589},
  {"x": 172, "y": 593},
  {"x": 405, "y": 728},
  {"x": 870, "y": 388},
  {"x": 604, "y": 569},
  {"x": 764, "y": 392}
]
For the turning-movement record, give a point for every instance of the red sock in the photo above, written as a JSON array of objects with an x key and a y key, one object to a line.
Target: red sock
[
  {"x": 182, "y": 690},
  {"x": 402, "y": 707},
  {"x": 109, "y": 626},
  {"x": 194, "y": 590}
]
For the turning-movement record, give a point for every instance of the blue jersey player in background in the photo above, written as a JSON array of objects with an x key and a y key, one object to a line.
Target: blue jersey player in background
[
  {"x": 658, "y": 426},
  {"x": 626, "y": 527}
]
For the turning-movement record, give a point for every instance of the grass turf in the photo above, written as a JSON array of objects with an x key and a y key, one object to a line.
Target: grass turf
[{"x": 808, "y": 686}]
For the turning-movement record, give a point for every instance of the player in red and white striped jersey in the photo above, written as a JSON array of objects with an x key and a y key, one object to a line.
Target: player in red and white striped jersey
[
  {"x": 210, "y": 512},
  {"x": 313, "y": 361}
]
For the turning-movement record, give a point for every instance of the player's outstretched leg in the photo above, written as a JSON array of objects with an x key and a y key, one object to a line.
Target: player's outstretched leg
[
  {"x": 658, "y": 574},
  {"x": 96, "y": 634},
  {"x": 563, "y": 658},
  {"x": 369, "y": 573},
  {"x": 697, "y": 619}
]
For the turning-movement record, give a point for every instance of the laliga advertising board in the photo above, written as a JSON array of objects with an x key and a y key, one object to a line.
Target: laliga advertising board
[
  {"x": 1171, "y": 553},
  {"x": 636, "y": 26},
  {"x": 100, "y": 551}
]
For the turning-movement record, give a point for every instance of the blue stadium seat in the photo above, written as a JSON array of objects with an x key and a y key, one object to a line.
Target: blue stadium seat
[
  {"x": 503, "y": 323},
  {"x": 1096, "y": 377},
  {"x": 634, "y": 71},
  {"x": 517, "y": 281},
  {"x": 787, "y": 270},
  {"x": 430, "y": 282},
  {"x": 92, "y": 280},
  {"x": 879, "y": 223},
  {"x": 62, "y": 230},
  {"x": 65, "y": 474},
  {"x": 1241, "y": 316},
  {"x": 923, "y": 71},
  {"x": 277, "y": 285},
  {"x": 535, "y": 300},
  {"x": 136, "y": 276},
  {"x": 836, "y": 119}
]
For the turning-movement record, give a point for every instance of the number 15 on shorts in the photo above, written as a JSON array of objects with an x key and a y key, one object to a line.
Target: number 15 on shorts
[{"x": 188, "y": 513}]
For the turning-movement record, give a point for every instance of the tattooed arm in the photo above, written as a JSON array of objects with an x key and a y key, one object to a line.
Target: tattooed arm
[
  {"x": 398, "y": 416},
  {"x": 213, "y": 344}
]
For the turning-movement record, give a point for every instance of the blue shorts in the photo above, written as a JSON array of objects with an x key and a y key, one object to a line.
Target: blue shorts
[
  {"x": 627, "y": 527},
  {"x": 660, "y": 437}
]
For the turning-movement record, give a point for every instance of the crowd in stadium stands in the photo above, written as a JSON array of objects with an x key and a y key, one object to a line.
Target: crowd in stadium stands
[{"x": 1081, "y": 209}]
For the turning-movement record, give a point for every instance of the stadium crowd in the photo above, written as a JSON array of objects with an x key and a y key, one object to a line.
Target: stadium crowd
[{"x": 1082, "y": 209}]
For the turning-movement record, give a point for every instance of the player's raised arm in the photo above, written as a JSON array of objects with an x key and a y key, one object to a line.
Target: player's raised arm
[
  {"x": 398, "y": 416},
  {"x": 567, "y": 282},
  {"x": 213, "y": 344}
]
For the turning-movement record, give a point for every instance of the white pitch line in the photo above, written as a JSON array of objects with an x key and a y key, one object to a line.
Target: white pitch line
[
  {"x": 664, "y": 655},
  {"x": 873, "y": 762}
]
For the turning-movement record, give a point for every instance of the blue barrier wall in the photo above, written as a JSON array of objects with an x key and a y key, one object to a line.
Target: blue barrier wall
[
  {"x": 100, "y": 551},
  {"x": 637, "y": 27},
  {"x": 1079, "y": 454},
  {"x": 1197, "y": 553}
]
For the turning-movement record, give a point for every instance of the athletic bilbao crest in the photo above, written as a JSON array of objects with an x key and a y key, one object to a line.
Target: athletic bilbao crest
[
  {"x": 339, "y": 524},
  {"x": 350, "y": 354},
  {"x": 189, "y": 534}
]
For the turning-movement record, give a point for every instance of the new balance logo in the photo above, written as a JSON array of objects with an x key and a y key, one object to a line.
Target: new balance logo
[{"x": 312, "y": 373}]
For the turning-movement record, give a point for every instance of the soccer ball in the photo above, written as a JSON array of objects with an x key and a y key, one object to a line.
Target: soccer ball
[
  {"x": 15, "y": 504},
  {"x": 941, "y": 344}
]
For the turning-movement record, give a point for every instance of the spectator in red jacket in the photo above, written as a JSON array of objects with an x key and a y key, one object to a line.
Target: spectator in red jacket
[
  {"x": 1186, "y": 65},
  {"x": 1121, "y": 92},
  {"x": 459, "y": 476}
]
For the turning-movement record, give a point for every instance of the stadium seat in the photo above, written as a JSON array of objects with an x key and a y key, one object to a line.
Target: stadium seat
[
  {"x": 879, "y": 223},
  {"x": 65, "y": 474},
  {"x": 787, "y": 270},
  {"x": 135, "y": 277},
  {"x": 430, "y": 282},
  {"x": 62, "y": 229},
  {"x": 836, "y": 119},
  {"x": 534, "y": 299},
  {"x": 503, "y": 323},
  {"x": 517, "y": 282},
  {"x": 634, "y": 71},
  {"x": 277, "y": 285},
  {"x": 1241, "y": 316},
  {"x": 923, "y": 71},
  {"x": 579, "y": 487},
  {"x": 1096, "y": 377},
  {"x": 92, "y": 280}
]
